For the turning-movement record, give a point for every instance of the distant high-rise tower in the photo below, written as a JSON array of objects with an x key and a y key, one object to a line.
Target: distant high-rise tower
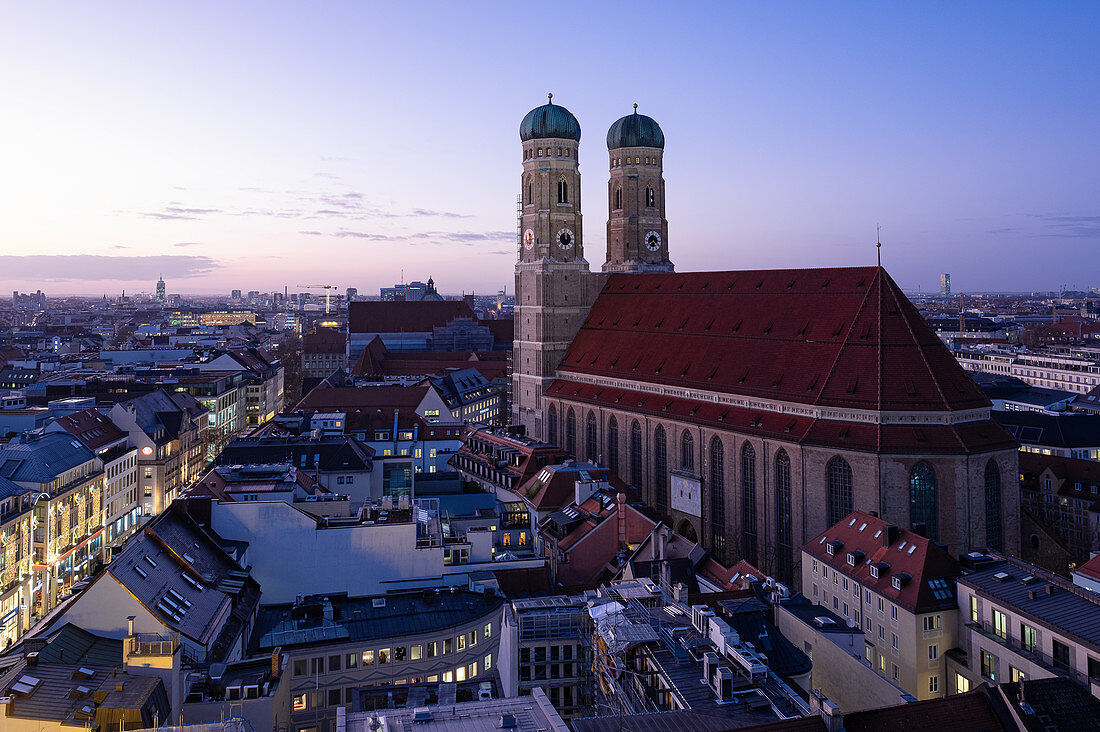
[
  {"x": 352, "y": 294},
  {"x": 637, "y": 232},
  {"x": 553, "y": 283},
  {"x": 945, "y": 285},
  {"x": 160, "y": 290}
]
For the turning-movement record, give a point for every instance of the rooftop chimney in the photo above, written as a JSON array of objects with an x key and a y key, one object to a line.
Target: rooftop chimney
[{"x": 890, "y": 535}]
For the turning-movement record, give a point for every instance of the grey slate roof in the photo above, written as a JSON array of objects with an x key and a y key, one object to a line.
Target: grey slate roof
[
  {"x": 1074, "y": 611},
  {"x": 42, "y": 458},
  {"x": 181, "y": 574},
  {"x": 1068, "y": 430},
  {"x": 407, "y": 614},
  {"x": 9, "y": 489},
  {"x": 165, "y": 409}
]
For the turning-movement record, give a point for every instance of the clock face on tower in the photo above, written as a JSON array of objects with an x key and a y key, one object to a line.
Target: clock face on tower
[
  {"x": 565, "y": 238},
  {"x": 653, "y": 241},
  {"x": 528, "y": 239}
]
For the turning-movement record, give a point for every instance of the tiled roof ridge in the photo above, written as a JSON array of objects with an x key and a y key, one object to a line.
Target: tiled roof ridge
[
  {"x": 906, "y": 317},
  {"x": 847, "y": 337}
]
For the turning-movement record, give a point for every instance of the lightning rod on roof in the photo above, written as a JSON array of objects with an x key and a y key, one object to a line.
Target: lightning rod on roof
[{"x": 878, "y": 243}]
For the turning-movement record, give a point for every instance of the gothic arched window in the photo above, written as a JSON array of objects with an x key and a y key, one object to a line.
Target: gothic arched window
[
  {"x": 784, "y": 540},
  {"x": 650, "y": 197},
  {"x": 660, "y": 469},
  {"x": 571, "y": 432},
  {"x": 993, "y": 533},
  {"x": 838, "y": 495},
  {"x": 618, "y": 198},
  {"x": 636, "y": 455},
  {"x": 748, "y": 503},
  {"x": 590, "y": 437},
  {"x": 613, "y": 444},
  {"x": 530, "y": 191},
  {"x": 552, "y": 425},
  {"x": 717, "y": 460},
  {"x": 687, "y": 451},
  {"x": 563, "y": 190},
  {"x": 922, "y": 499}
]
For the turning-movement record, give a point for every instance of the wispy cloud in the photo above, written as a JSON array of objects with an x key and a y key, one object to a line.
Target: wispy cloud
[
  {"x": 186, "y": 244},
  {"x": 95, "y": 267},
  {"x": 312, "y": 233},
  {"x": 466, "y": 238},
  {"x": 1073, "y": 227}
]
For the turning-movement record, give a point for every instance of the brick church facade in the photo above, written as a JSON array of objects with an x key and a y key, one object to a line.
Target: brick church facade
[{"x": 751, "y": 409}]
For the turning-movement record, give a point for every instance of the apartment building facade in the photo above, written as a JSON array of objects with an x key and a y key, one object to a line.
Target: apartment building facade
[
  {"x": 895, "y": 584},
  {"x": 1019, "y": 622}
]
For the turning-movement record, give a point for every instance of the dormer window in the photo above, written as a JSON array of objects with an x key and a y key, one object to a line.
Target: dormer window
[
  {"x": 874, "y": 572},
  {"x": 899, "y": 580},
  {"x": 833, "y": 547},
  {"x": 855, "y": 557}
]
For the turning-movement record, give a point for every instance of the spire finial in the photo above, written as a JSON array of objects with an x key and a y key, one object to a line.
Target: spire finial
[
  {"x": 878, "y": 243},
  {"x": 635, "y": 107},
  {"x": 550, "y": 97}
]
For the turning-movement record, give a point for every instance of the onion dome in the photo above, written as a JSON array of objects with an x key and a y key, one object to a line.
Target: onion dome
[
  {"x": 635, "y": 130},
  {"x": 549, "y": 120}
]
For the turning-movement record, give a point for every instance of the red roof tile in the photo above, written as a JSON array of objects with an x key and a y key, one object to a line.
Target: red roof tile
[
  {"x": 843, "y": 337},
  {"x": 915, "y": 559}
]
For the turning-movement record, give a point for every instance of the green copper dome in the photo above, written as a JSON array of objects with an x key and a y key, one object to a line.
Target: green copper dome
[
  {"x": 635, "y": 130},
  {"x": 549, "y": 120}
]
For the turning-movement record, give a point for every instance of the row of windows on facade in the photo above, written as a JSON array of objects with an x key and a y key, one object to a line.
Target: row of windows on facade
[
  {"x": 618, "y": 162},
  {"x": 316, "y": 699},
  {"x": 528, "y": 154},
  {"x": 382, "y": 656},
  {"x": 923, "y": 500}
]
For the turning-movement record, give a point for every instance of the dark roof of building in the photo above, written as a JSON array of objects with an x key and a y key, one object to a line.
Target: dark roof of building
[
  {"x": 549, "y": 120},
  {"x": 840, "y": 337},
  {"x": 325, "y": 340},
  {"x": 324, "y": 398},
  {"x": 749, "y": 617},
  {"x": 675, "y": 721},
  {"x": 459, "y": 387},
  {"x": 1067, "y": 430},
  {"x": 383, "y": 316},
  {"x": 1053, "y": 704},
  {"x": 91, "y": 428},
  {"x": 635, "y": 130},
  {"x": 42, "y": 458},
  {"x": 326, "y": 453},
  {"x": 175, "y": 412},
  {"x": 1074, "y": 611},
  {"x": 72, "y": 644},
  {"x": 973, "y": 711},
  {"x": 9, "y": 489},
  {"x": 182, "y": 576},
  {"x": 397, "y": 615},
  {"x": 925, "y": 569}
]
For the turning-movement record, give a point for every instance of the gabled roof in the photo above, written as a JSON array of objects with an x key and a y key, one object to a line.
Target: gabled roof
[
  {"x": 380, "y": 316},
  {"x": 325, "y": 340},
  {"x": 43, "y": 458},
  {"x": 970, "y": 712},
  {"x": 91, "y": 428},
  {"x": 926, "y": 570},
  {"x": 840, "y": 337},
  {"x": 1065, "y": 430}
]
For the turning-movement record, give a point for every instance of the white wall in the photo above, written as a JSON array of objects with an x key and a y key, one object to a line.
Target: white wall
[
  {"x": 290, "y": 555},
  {"x": 103, "y": 608}
]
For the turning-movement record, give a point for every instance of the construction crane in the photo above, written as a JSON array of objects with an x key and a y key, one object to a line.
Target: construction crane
[{"x": 328, "y": 294}]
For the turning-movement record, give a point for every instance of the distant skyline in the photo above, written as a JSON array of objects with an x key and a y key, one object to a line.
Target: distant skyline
[{"x": 250, "y": 146}]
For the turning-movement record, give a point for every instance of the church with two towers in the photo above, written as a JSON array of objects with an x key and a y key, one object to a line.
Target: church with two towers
[
  {"x": 752, "y": 410},
  {"x": 555, "y": 287}
]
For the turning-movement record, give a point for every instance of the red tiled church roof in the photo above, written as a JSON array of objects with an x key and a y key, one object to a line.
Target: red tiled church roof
[
  {"x": 920, "y": 562},
  {"x": 841, "y": 337}
]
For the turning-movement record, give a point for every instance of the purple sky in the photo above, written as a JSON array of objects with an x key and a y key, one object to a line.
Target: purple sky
[{"x": 253, "y": 146}]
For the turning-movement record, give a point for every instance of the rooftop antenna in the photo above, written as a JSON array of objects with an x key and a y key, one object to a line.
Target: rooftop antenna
[{"x": 878, "y": 243}]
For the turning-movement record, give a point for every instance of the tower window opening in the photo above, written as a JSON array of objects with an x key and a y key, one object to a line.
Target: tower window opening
[
  {"x": 618, "y": 198},
  {"x": 637, "y": 161},
  {"x": 563, "y": 190},
  {"x": 540, "y": 152},
  {"x": 566, "y": 152},
  {"x": 530, "y": 191},
  {"x": 650, "y": 197},
  {"x": 559, "y": 152}
]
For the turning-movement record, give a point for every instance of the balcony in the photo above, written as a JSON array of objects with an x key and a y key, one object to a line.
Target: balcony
[
  {"x": 149, "y": 644},
  {"x": 1035, "y": 655}
]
